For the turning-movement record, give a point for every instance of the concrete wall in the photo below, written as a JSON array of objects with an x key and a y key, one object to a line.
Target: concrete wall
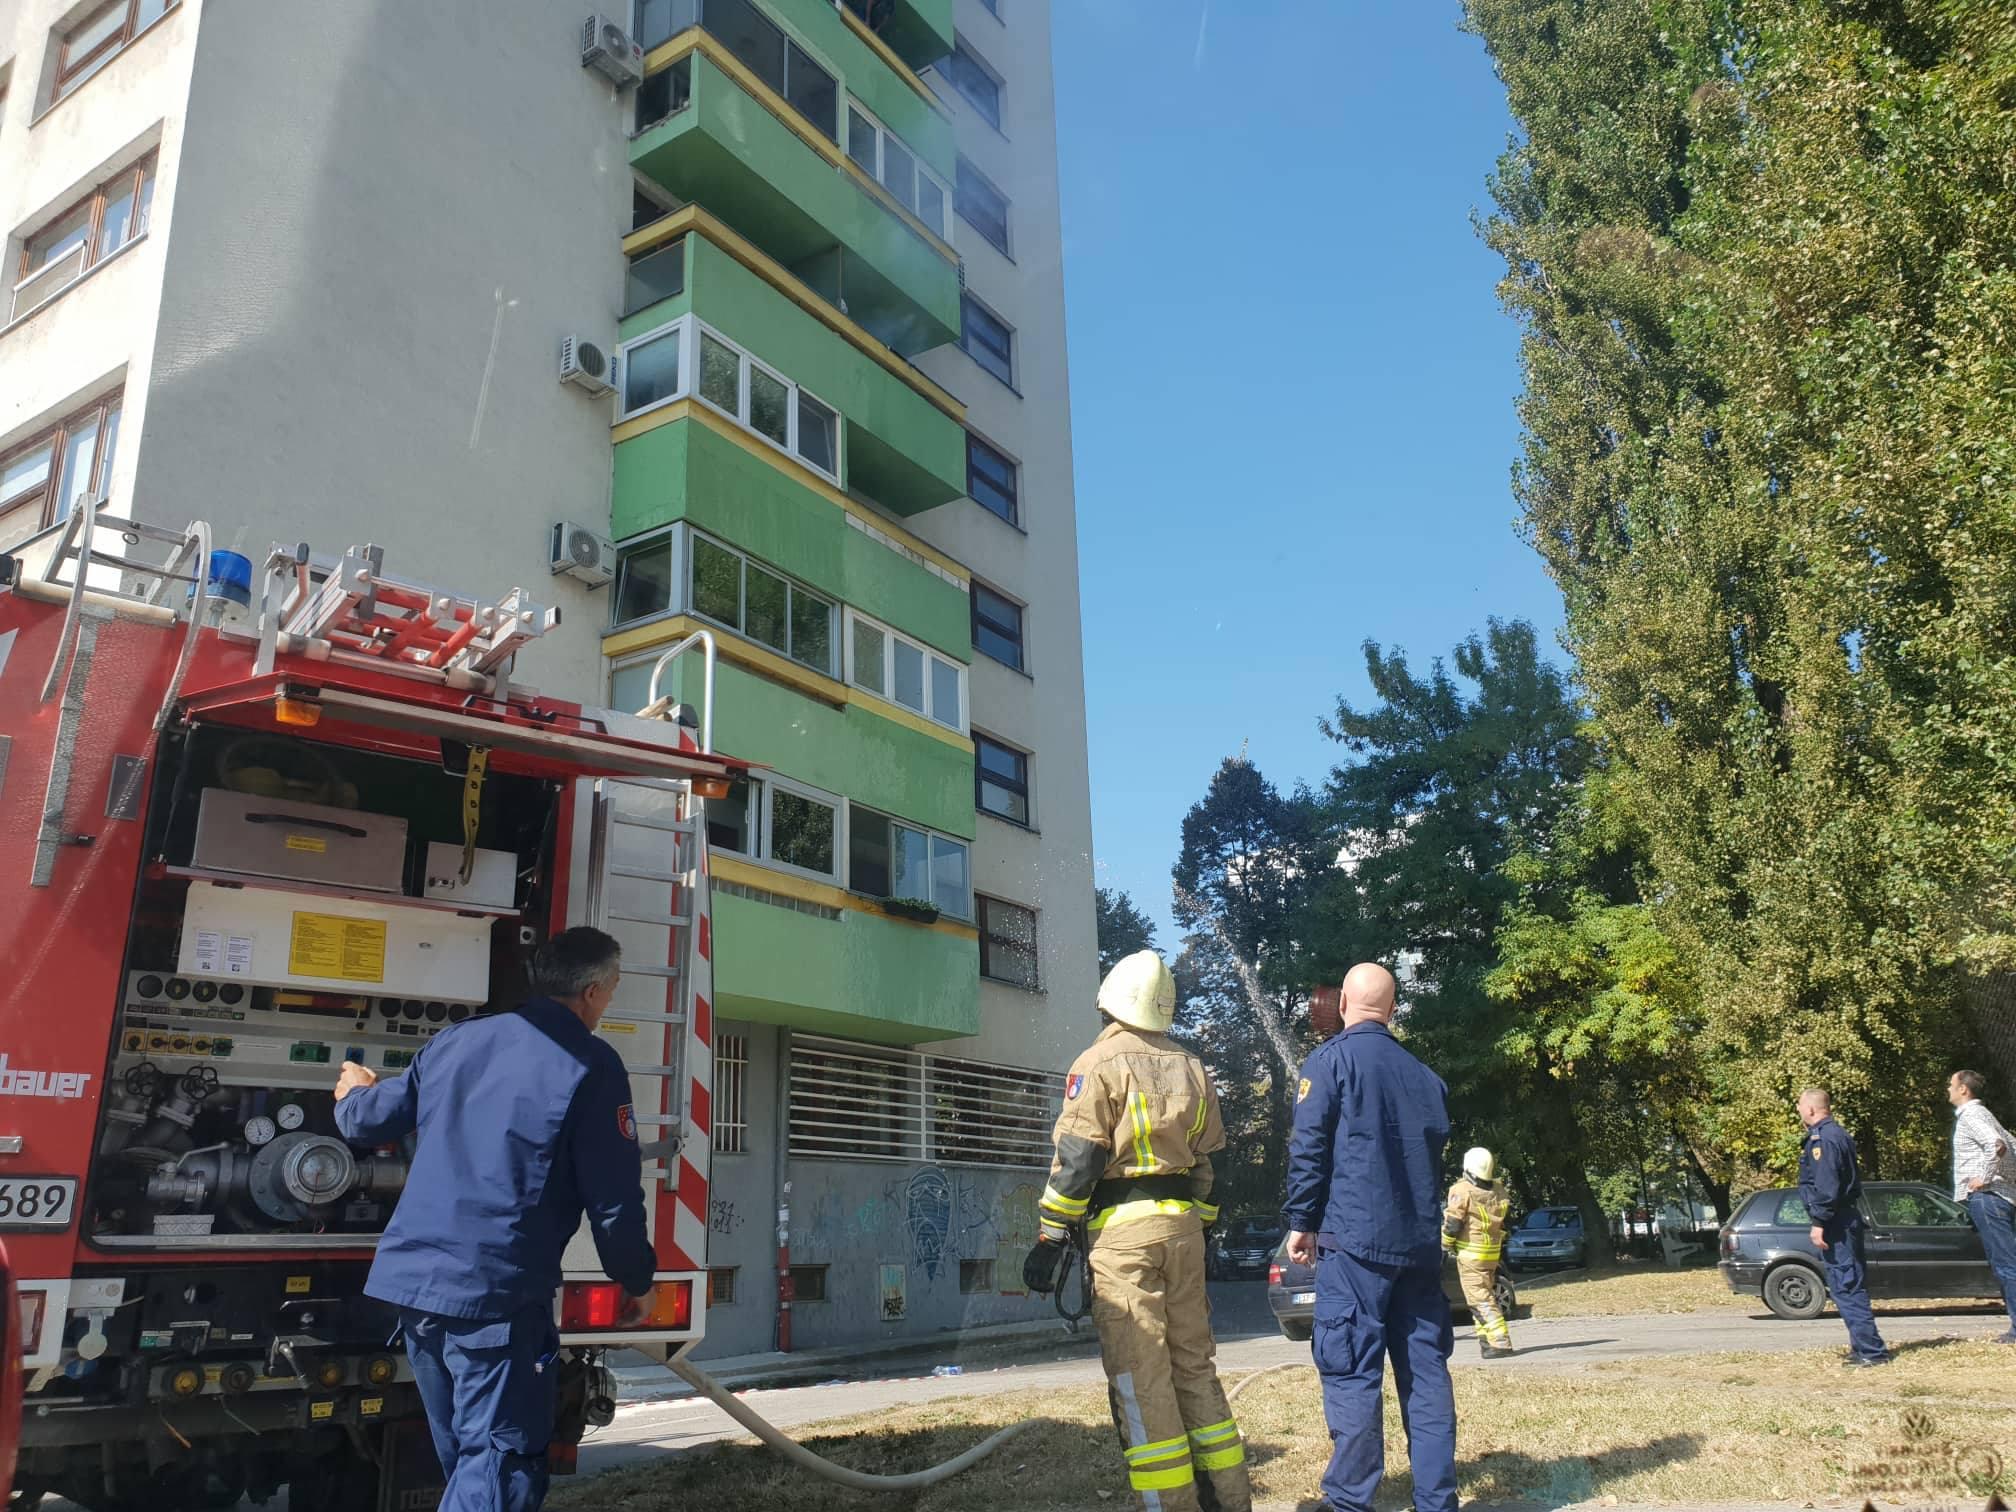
[
  {"x": 383, "y": 248},
  {"x": 742, "y": 1231},
  {"x": 1049, "y": 869},
  {"x": 99, "y": 333}
]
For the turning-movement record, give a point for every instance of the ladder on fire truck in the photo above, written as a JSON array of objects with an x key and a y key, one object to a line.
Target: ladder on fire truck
[{"x": 648, "y": 886}]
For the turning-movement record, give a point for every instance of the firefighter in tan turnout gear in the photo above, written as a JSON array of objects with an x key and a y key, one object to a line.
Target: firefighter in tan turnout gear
[
  {"x": 1473, "y": 1229},
  {"x": 1133, "y": 1168}
]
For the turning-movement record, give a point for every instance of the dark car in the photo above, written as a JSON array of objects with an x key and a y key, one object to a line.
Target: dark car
[
  {"x": 1919, "y": 1243},
  {"x": 1548, "y": 1236},
  {"x": 1242, "y": 1248},
  {"x": 1291, "y": 1292}
]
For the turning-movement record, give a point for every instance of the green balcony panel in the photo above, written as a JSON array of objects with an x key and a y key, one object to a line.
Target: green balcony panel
[
  {"x": 917, "y": 31},
  {"x": 688, "y": 471},
  {"x": 860, "y": 976},
  {"x": 866, "y": 75},
  {"x": 724, "y": 150},
  {"x": 901, "y": 449},
  {"x": 852, "y": 751}
]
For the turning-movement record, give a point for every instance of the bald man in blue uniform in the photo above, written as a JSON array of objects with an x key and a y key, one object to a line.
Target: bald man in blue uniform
[
  {"x": 524, "y": 1122},
  {"x": 1365, "y": 1207}
]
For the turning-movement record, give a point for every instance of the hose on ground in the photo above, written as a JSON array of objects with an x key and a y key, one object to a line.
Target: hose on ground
[
  {"x": 798, "y": 1454},
  {"x": 1247, "y": 1380}
]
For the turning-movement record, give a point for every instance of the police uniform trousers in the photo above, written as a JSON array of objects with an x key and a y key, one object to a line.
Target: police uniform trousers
[
  {"x": 1480, "y": 1291},
  {"x": 1182, "y": 1444},
  {"x": 1366, "y": 1313},
  {"x": 489, "y": 1389},
  {"x": 1848, "y": 1283}
]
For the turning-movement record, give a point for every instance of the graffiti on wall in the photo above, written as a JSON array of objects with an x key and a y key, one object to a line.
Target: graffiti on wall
[
  {"x": 895, "y": 1293},
  {"x": 1017, "y": 1228},
  {"x": 724, "y": 1218},
  {"x": 944, "y": 1220}
]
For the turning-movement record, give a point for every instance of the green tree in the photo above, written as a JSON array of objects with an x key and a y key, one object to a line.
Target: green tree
[
  {"x": 1250, "y": 860},
  {"x": 1446, "y": 785},
  {"x": 1121, "y": 928},
  {"x": 1764, "y": 261}
]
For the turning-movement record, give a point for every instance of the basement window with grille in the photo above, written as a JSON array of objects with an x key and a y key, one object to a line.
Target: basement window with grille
[
  {"x": 731, "y": 1092},
  {"x": 866, "y": 1102}
]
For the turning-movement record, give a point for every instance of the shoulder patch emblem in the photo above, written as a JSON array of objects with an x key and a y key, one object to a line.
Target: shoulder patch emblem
[
  {"x": 626, "y": 1123},
  {"x": 1817, "y": 1148},
  {"x": 1303, "y": 1090},
  {"x": 1073, "y": 1085}
]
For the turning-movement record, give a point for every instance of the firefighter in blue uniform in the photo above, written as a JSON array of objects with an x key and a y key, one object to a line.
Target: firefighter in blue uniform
[
  {"x": 524, "y": 1121},
  {"x": 1831, "y": 1187},
  {"x": 1365, "y": 1207}
]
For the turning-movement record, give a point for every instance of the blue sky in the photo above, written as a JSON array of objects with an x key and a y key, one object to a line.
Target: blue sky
[{"x": 1292, "y": 385}]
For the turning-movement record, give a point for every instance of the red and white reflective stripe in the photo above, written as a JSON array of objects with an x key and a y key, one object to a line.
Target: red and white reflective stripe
[{"x": 688, "y": 1199}]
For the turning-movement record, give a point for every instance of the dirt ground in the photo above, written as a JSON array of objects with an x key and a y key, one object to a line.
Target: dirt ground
[{"x": 1695, "y": 1430}]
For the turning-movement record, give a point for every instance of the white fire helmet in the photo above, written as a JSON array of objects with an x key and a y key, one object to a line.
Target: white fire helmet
[
  {"x": 1139, "y": 992},
  {"x": 1478, "y": 1164}
]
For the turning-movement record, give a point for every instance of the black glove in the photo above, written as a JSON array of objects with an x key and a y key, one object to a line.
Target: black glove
[{"x": 1040, "y": 1266}]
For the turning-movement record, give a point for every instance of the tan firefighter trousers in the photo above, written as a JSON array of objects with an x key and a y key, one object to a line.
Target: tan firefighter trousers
[
  {"x": 1154, "y": 1323},
  {"x": 1480, "y": 1290}
]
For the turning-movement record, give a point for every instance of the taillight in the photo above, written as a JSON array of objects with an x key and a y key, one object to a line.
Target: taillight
[
  {"x": 587, "y": 1306},
  {"x": 1728, "y": 1244},
  {"x": 1274, "y": 1274}
]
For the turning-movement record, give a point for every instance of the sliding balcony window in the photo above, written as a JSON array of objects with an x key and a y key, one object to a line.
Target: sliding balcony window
[
  {"x": 887, "y": 159},
  {"x": 653, "y": 276},
  {"x": 83, "y": 236},
  {"x": 779, "y": 823},
  {"x": 688, "y": 357},
  {"x": 766, "y": 607},
  {"x": 905, "y": 672},
  {"x": 42, "y": 478},
  {"x": 100, "y": 37},
  {"x": 758, "y": 43},
  {"x": 887, "y": 858}
]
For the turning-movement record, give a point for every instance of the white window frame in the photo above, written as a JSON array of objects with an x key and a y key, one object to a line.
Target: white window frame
[
  {"x": 887, "y": 695},
  {"x": 692, "y": 328},
  {"x": 690, "y": 557},
  {"x": 876, "y": 171},
  {"x": 675, "y": 536},
  {"x": 772, "y": 782},
  {"x": 931, "y": 838}
]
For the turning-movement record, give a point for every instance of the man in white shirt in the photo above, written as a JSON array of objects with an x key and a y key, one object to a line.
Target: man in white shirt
[{"x": 1984, "y": 1158}]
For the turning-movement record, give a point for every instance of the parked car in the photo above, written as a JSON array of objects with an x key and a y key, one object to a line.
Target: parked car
[
  {"x": 1548, "y": 1236},
  {"x": 1919, "y": 1243},
  {"x": 1242, "y": 1248},
  {"x": 1291, "y": 1292},
  {"x": 10, "y": 1377}
]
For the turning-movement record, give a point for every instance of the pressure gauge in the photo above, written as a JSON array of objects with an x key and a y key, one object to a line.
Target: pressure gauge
[
  {"x": 260, "y": 1130},
  {"x": 291, "y": 1116}
]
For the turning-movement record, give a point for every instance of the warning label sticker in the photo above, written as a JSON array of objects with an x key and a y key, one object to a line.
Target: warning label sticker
[
  {"x": 315, "y": 845},
  {"x": 336, "y": 948}
]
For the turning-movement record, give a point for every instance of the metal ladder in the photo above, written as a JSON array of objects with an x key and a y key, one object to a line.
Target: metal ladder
[{"x": 646, "y": 857}]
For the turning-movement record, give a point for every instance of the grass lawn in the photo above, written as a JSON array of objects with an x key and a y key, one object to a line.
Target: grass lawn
[{"x": 1696, "y": 1429}]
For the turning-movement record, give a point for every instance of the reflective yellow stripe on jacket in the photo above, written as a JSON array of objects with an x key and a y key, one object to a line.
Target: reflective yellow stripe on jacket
[
  {"x": 1140, "y": 1207},
  {"x": 1480, "y": 1250}
]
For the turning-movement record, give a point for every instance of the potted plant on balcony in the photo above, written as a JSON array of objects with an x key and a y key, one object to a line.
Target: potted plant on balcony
[{"x": 911, "y": 908}]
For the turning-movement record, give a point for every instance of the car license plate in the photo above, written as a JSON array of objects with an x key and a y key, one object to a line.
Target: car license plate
[
  {"x": 37, "y": 1202},
  {"x": 1298, "y": 1298}
]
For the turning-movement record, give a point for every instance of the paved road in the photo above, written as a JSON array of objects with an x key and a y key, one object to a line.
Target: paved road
[{"x": 1248, "y": 1340}]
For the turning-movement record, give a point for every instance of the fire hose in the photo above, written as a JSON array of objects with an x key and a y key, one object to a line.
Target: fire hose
[{"x": 1074, "y": 1256}]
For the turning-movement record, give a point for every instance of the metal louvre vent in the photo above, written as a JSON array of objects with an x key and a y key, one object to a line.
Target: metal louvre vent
[{"x": 864, "y": 1102}]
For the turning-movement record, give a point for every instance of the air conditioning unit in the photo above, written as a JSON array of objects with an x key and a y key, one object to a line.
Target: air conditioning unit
[
  {"x": 607, "y": 48},
  {"x": 586, "y": 366},
  {"x": 580, "y": 552}
]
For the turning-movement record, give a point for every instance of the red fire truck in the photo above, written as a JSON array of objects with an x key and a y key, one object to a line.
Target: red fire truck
[{"x": 257, "y": 819}]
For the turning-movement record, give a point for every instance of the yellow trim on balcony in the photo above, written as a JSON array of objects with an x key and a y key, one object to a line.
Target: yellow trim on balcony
[
  {"x": 736, "y": 651},
  {"x": 705, "y": 223},
  {"x": 887, "y": 54},
  {"x": 695, "y": 39},
  {"x": 721, "y": 425},
  {"x": 750, "y": 874}
]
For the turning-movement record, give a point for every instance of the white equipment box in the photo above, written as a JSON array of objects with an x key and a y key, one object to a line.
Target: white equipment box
[
  {"x": 273, "y": 938},
  {"x": 493, "y": 881}
]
